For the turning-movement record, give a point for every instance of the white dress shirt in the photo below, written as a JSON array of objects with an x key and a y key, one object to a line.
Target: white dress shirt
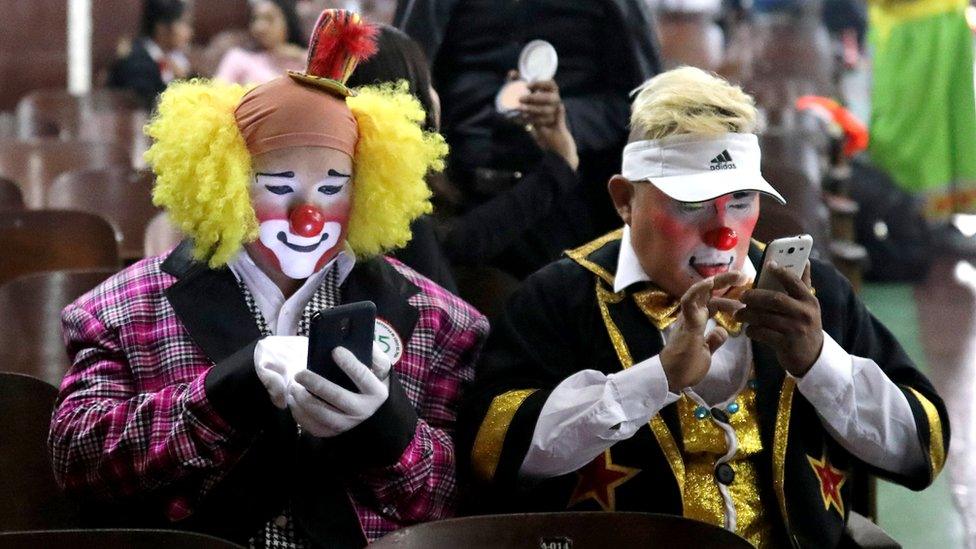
[
  {"x": 589, "y": 411},
  {"x": 282, "y": 315},
  {"x": 177, "y": 58}
]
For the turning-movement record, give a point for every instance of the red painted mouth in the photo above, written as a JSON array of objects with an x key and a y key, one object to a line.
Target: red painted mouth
[{"x": 706, "y": 270}]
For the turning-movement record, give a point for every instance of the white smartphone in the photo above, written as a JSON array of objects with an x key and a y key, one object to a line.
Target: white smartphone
[{"x": 791, "y": 252}]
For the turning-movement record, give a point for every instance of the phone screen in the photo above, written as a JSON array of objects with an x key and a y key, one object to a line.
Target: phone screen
[{"x": 351, "y": 326}]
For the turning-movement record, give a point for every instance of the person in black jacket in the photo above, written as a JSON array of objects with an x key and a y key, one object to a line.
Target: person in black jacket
[
  {"x": 644, "y": 373},
  {"x": 518, "y": 227},
  {"x": 606, "y": 48},
  {"x": 157, "y": 56}
]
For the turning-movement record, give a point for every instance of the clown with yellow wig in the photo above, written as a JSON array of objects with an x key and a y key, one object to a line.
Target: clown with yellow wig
[{"x": 189, "y": 404}]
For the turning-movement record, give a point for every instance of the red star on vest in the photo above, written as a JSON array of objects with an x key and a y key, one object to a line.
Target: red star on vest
[
  {"x": 831, "y": 479},
  {"x": 599, "y": 480}
]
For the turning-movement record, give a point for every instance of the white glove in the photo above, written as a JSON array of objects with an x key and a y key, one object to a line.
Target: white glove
[
  {"x": 325, "y": 409},
  {"x": 277, "y": 359}
]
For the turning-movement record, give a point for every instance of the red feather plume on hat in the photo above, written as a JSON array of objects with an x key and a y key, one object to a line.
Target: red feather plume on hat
[{"x": 340, "y": 41}]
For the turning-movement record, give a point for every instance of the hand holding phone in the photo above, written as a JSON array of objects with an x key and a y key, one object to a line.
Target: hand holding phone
[{"x": 792, "y": 326}]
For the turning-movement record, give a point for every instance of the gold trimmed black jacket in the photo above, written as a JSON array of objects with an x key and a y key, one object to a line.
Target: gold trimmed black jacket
[{"x": 567, "y": 318}]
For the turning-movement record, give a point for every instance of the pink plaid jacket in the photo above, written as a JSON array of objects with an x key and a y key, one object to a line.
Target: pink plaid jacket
[{"x": 136, "y": 416}]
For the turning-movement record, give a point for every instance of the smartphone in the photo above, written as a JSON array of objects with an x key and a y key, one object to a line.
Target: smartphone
[
  {"x": 791, "y": 252},
  {"x": 351, "y": 326}
]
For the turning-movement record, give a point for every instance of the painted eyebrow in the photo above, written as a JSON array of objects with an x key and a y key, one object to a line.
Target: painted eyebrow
[
  {"x": 334, "y": 173},
  {"x": 289, "y": 175},
  {"x": 742, "y": 194}
]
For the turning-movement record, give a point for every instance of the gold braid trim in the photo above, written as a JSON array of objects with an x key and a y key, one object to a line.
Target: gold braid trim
[
  {"x": 780, "y": 438},
  {"x": 937, "y": 452},
  {"x": 487, "y": 450},
  {"x": 660, "y": 429},
  {"x": 581, "y": 254}
]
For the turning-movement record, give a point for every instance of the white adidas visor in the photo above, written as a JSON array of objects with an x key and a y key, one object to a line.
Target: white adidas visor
[{"x": 695, "y": 168}]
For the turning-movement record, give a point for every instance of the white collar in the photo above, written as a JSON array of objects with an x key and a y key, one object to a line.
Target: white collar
[
  {"x": 282, "y": 314},
  {"x": 629, "y": 270},
  {"x": 153, "y": 49},
  {"x": 157, "y": 54}
]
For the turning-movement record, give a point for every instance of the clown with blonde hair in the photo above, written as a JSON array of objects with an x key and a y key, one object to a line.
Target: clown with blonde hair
[
  {"x": 644, "y": 372},
  {"x": 192, "y": 401}
]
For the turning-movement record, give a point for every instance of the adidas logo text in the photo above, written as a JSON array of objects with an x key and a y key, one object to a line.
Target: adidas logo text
[{"x": 722, "y": 162}]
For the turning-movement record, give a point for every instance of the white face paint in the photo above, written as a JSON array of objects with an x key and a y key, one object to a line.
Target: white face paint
[
  {"x": 707, "y": 261},
  {"x": 297, "y": 255},
  {"x": 302, "y": 198}
]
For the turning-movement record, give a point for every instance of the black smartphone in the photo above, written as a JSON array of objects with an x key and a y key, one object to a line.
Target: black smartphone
[{"x": 351, "y": 326}]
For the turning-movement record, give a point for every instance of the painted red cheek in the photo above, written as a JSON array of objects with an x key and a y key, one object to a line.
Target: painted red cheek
[
  {"x": 265, "y": 213},
  {"x": 722, "y": 238},
  {"x": 668, "y": 225},
  {"x": 306, "y": 220}
]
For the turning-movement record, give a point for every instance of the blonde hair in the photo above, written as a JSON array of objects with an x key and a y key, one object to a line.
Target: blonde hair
[
  {"x": 687, "y": 100},
  {"x": 203, "y": 168}
]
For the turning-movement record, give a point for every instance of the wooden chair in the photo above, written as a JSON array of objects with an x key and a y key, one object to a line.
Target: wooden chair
[
  {"x": 33, "y": 48},
  {"x": 8, "y": 125},
  {"x": 31, "y": 498},
  {"x": 105, "y": 115},
  {"x": 10, "y": 196},
  {"x": 121, "y": 195},
  {"x": 215, "y": 16},
  {"x": 563, "y": 530},
  {"x": 31, "y": 305},
  {"x": 99, "y": 539},
  {"x": 161, "y": 236},
  {"x": 35, "y": 164},
  {"x": 53, "y": 240},
  {"x": 53, "y": 112}
]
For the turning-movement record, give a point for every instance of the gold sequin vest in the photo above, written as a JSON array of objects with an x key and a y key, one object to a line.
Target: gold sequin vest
[{"x": 704, "y": 444}]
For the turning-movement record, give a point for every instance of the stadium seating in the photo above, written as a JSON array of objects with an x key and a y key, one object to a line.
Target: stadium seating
[
  {"x": 10, "y": 196},
  {"x": 51, "y": 240},
  {"x": 99, "y": 539},
  {"x": 122, "y": 196},
  {"x": 35, "y": 164},
  {"x": 31, "y": 498},
  {"x": 31, "y": 342},
  {"x": 563, "y": 530}
]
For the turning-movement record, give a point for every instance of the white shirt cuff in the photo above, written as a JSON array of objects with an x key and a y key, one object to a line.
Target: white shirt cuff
[
  {"x": 642, "y": 390},
  {"x": 830, "y": 378}
]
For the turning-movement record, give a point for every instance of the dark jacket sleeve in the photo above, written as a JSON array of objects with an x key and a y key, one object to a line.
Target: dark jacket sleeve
[
  {"x": 533, "y": 347},
  {"x": 486, "y": 230},
  {"x": 598, "y": 121},
  {"x": 849, "y": 323},
  {"x": 139, "y": 73},
  {"x": 629, "y": 56},
  {"x": 425, "y": 21}
]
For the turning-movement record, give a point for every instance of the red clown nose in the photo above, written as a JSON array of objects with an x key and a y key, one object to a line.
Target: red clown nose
[
  {"x": 306, "y": 220},
  {"x": 722, "y": 238}
]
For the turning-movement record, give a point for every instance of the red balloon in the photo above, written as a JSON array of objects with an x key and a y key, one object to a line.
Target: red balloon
[
  {"x": 306, "y": 220},
  {"x": 722, "y": 238}
]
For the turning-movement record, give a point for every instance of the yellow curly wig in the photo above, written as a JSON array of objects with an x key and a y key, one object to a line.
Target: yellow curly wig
[
  {"x": 393, "y": 157},
  {"x": 203, "y": 168}
]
